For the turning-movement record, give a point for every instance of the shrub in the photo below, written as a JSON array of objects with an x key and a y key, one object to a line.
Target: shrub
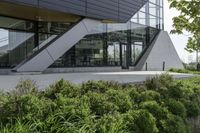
[
  {"x": 100, "y": 105},
  {"x": 150, "y": 95},
  {"x": 162, "y": 104},
  {"x": 159, "y": 83},
  {"x": 192, "y": 108},
  {"x": 25, "y": 87},
  {"x": 176, "y": 91},
  {"x": 140, "y": 121},
  {"x": 111, "y": 124},
  {"x": 121, "y": 99},
  {"x": 176, "y": 107},
  {"x": 94, "y": 86},
  {"x": 154, "y": 108},
  {"x": 62, "y": 87},
  {"x": 173, "y": 124},
  {"x": 189, "y": 70}
]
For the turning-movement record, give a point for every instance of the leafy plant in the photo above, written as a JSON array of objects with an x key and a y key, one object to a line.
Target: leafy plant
[{"x": 161, "y": 104}]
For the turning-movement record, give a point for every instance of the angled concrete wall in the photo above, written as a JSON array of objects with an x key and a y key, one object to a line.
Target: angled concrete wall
[{"x": 161, "y": 52}]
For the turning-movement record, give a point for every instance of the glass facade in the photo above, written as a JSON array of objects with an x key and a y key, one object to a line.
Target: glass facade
[
  {"x": 118, "y": 44},
  {"x": 151, "y": 14},
  {"x": 21, "y": 38}
]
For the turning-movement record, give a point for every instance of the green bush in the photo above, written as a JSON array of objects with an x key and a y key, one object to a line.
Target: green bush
[
  {"x": 192, "y": 108},
  {"x": 176, "y": 107},
  {"x": 100, "y": 105},
  {"x": 111, "y": 124},
  {"x": 150, "y": 95},
  {"x": 154, "y": 108},
  {"x": 140, "y": 121},
  {"x": 189, "y": 70},
  {"x": 173, "y": 124},
  {"x": 160, "y": 83},
  {"x": 121, "y": 99},
  {"x": 161, "y": 104},
  {"x": 25, "y": 87}
]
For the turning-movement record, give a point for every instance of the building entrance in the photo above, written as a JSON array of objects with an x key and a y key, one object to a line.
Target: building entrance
[{"x": 124, "y": 55}]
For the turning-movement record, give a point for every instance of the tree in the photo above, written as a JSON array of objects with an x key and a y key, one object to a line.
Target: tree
[{"x": 188, "y": 20}]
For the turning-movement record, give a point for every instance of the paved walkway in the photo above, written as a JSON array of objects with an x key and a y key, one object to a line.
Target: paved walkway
[{"x": 8, "y": 82}]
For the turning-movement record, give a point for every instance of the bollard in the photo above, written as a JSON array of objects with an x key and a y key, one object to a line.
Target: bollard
[
  {"x": 163, "y": 65},
  {"x": 146, "y": 66}
]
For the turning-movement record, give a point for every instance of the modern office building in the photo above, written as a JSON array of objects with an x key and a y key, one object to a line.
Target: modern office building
[{"x": 84, "y": 35}]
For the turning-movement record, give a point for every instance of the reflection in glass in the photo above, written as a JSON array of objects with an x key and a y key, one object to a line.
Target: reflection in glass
[
  {"x": 153, "y": 1},
  {"x": 104, "y": 49},
  {"x": 142, "y": 18},
  {"x": 138, "y": 51},
  {"x": 152, "y": 9},
  {"x": 12, "y": 23},
  {"x": 161, "y": 3},
  {"x": 113, "y": 54},
  {"x": 23, "y": 38},
  {"x": 89, "y": 51},
  {"x": 153, "y": 22},
  {"x": 151, "y": 14},
  {"x": 16, "y": 47}
]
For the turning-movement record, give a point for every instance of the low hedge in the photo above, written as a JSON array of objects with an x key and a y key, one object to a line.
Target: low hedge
[
  {"x": 161, "y": 104},
  {"x": 184, "y": 71}
]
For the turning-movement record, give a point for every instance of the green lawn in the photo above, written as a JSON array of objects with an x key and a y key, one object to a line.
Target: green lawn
[{"x": 184, "y": 71}]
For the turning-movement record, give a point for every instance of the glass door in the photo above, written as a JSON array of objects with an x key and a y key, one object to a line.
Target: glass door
[{"x": 124, "y": 56}]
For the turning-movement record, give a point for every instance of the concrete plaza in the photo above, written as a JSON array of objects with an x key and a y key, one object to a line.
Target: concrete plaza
[{"x": 8, "y": 82}]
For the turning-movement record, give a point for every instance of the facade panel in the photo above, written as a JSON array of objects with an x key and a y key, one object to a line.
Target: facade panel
[
  {"x": 115, "y": 10},
  {"x": 24, "y": 2}
]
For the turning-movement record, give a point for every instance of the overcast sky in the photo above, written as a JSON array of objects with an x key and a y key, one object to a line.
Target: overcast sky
[{"x": 179, "y": 41}]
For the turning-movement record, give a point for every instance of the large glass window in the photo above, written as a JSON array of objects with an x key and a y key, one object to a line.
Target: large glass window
[
  {"x": 138, "y": 41},
  {"x": 117, "y": 33},
  {"x": 153, "y": 21},
  {"x": 16, "y": 24},
  {"x": 152, "y": 9},
  {"x": 151, "y": 14},
  {"x": 153, "y": 1},
  {"x": 138, "y": 49},
  {"x": 19, "y": 39},
  {"x": 142, "y": 18},
  {"x": 105, "y": 49},
  {"x": 89, "y": 51},
  {"x": 15, "y": 47},
  {"x": 113, "y": 54}
]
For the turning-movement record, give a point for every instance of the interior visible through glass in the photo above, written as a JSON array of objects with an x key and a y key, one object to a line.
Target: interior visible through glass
[{"x": 20, "y": 39}]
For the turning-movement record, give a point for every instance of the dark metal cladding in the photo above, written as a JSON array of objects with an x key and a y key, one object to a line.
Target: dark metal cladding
[{"x": 116, "y": 10}]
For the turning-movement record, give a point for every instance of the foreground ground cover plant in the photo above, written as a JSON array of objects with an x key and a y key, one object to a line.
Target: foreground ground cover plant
[{"x": 160, "y": 105}]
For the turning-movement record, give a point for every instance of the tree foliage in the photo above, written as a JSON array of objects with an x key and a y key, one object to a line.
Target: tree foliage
[{"x": 188, "y": 20}]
